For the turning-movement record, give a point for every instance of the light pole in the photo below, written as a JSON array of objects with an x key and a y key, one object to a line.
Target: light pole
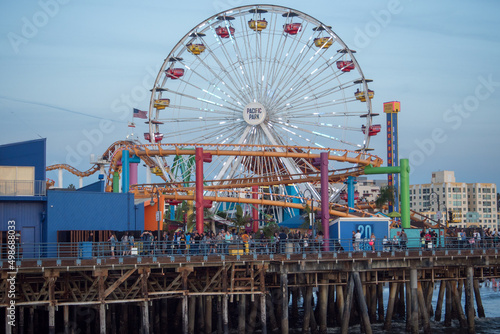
[
  {"x": 312, "y": 217},
  {"x": 439, "y": 210},
  {"x": 158, "y": 215}
]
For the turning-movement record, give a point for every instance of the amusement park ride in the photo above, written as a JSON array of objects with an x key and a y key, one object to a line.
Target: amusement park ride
[{"x": 263, "y": 90}]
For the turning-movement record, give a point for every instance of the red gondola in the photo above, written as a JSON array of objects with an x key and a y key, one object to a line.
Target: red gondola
[
  {"x": 372, "y": 130},
  {"x": 175, "y": 73},
  {"x": 343, "y": 195},
  {"x": 292, "y": 28},
  {"x": 223, "y": 32},
  {"x": 158, "y": 137},
  {"x": 345, "y": 65}
]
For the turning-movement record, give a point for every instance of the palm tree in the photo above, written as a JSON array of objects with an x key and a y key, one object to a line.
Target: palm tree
[
  {"x": 240, "y": 219},
  {"x": 386, "y": 196}
]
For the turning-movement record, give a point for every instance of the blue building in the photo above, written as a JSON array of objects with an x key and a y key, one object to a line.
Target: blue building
[
  {"x": 23, "y": 196},
  {"x": 55, "y": 215}
]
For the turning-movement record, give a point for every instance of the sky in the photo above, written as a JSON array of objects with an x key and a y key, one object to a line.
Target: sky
[{"x": 67, "y": 65}]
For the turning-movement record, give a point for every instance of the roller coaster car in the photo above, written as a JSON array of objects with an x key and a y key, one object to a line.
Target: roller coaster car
[
  {"x": 161, "y": 103},
  {"x": 223, "y": 32},
  {"x": 257, "y": 25},
  {"x": 345, "y": 65},
  {"x": 292, "y": 28},
  {"x": 324, "y": 42},
  {"x": 372, "y": 130},
  {"x": 175, "y": 73},
  {"x": 196, "y": 49},
  {"x": 360, "y": 95},
  {"x": 158, "y": 137},
  {"x": 156, "y": 171}
]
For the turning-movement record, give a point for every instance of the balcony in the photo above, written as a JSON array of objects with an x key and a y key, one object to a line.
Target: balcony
[{"x": 23, "y": 188}]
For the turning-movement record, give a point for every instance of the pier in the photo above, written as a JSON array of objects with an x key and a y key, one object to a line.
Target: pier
[{"x": 246, "y": 291}]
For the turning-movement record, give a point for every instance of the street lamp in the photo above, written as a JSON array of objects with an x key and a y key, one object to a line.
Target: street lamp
[
  {"x": 312, "y": 217},
  {"x": 438, "y": 210},
  {"x": 158, "y": 216}
]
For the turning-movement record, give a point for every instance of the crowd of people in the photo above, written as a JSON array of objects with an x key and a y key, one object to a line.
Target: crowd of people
[
  {"x": 226, "y": 242},
  {"x": 208, "y": 243}
]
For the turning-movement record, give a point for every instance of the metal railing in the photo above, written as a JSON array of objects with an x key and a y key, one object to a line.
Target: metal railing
[
  {"x": 90, "y": 250},
  {"x": 23, "y": 188}
]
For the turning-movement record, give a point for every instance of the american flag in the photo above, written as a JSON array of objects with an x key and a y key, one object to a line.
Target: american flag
[{"x": 140, "y": 113}]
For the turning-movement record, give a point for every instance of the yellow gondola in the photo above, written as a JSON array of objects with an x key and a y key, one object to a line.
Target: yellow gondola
[
  {"x": 360, "y": 95},
  {"x": 196, "y": 49},
  {"x": 257, "y": 25},
  {"x": 324, "y": 42},
  {"x": 156, "y": 171},
  {"x": 161, "y": 104}
]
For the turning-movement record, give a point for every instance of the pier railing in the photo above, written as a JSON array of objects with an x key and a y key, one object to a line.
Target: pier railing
[{"x": 90, "y": 250}]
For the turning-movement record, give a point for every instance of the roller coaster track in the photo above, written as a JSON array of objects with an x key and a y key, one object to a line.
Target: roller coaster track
[
  {"x": 360, "y": 159},
  {"x": 106, "y": 157}
]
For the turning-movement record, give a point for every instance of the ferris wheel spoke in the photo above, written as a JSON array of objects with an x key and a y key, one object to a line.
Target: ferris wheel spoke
[
  {"x": 216, "y": 112},
  {"x": 236, "y": 95},
  {"x": 305, "y": 87},
  {"x": 312, "y": 82},
  {"x": 293, "y": 64},
  {"x": 195, "y": 129},
  {"x": 268, "y": 60},
  {"x": 306, "y": 105},
  {"x": 250, "y": 53},
  {"x": 287, "y": 127},
  {"x": 308, "y": 96},
  {"x": 237, "y": 92},
  {"x": 231, "y": 110},
  {"x": 242, "y": 78},
  {"x": 213, "y": 95},
  {"x": 280, "y": 76},
  {"x": 247, "y": 67}
]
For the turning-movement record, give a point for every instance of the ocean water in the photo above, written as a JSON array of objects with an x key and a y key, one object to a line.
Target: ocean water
[{"x": 489, "y": 325}]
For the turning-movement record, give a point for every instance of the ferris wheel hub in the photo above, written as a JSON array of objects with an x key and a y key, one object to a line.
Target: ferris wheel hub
[{"x": 254, "y": 113}]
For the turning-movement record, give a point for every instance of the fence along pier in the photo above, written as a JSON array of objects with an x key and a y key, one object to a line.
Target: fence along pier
[{"x": 204, "y": 294}]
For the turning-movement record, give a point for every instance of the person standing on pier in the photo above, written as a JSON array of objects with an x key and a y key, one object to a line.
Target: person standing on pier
[
  {"x": 357, "y": 237},
  {"x": 124, "y": 243},
  {"x": 372, "y": 242},
  {"x": 403, "y": 239},
  {"x": 112, "y": 239}
]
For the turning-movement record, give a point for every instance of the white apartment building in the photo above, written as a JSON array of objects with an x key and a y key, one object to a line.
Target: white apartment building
[{"x": 472, "y": 204}]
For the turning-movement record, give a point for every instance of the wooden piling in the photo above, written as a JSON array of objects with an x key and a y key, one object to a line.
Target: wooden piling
[
  {"x": 363, "y": 308},
  {"x": 284, "y": 300},
  {"x": 457, "y": 304},
  {"x": 208, "y": 314},
  {"x": 323, "y": 306},
  {"x": 306, "y": 325},
  {"x": 380, "y": 301},
  {"x": 340, "y": 301},
  {"x": 448, "y": 305},
  {"x": 263, "y": 313},
  {"x": 242, "y": 314},
  {"x": 423, "y": 309},
  {"x": 393, "y": 288},
  {"x": 479, "y": 302},
  {"x": 407, "y": 287},
  {"x": 191, "y": 314},
  {"x": 344, "y": 329},
  {"x": 414, "y": 301},
  {"x": 469, "y": 291},
  {"x": 439, "y": 303},
  {"x": 331, "y": 306}
]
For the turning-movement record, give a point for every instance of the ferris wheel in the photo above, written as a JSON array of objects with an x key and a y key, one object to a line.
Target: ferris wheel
[{"x": 260, "y": 75}]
